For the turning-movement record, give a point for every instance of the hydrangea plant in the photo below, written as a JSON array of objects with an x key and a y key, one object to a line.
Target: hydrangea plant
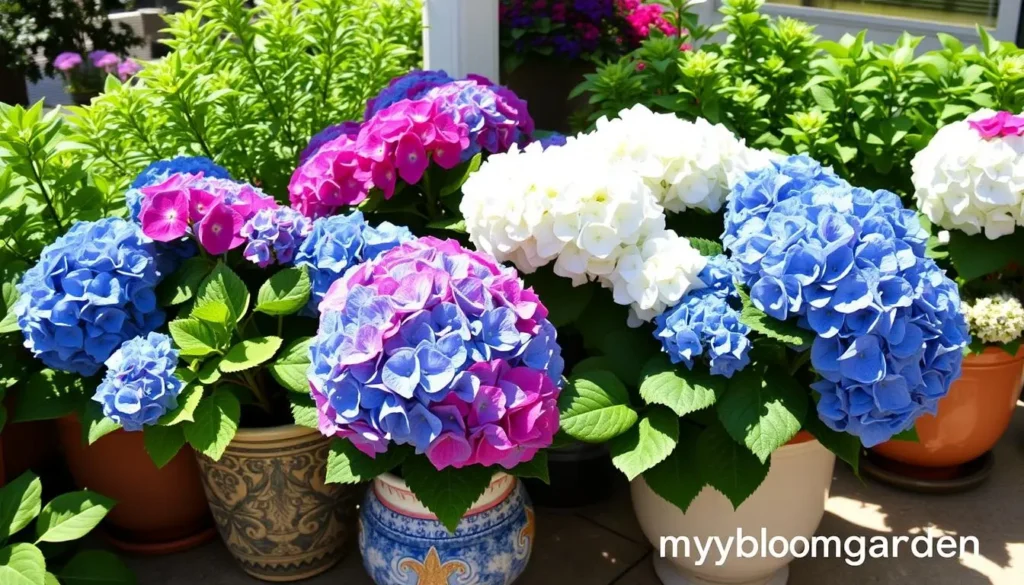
[
  {"x": 820, "y": 311},
  {"x": 439, "y": 360}
]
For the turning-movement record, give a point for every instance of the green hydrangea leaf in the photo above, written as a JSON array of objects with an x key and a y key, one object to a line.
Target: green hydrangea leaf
[
  {"x": 762, "y": 412},
  {"x": 71, "y": 516},
  {"x": 784, "y": 331},
  {"x": 348, "y": 465},
  {"x": 595, "y": 407},
  {"x": 285, "y": 292},
  {"x": 291, "y": 365},
  {"x": 677, "y": 479},
  {"x": 249, "y": 353},
  {"x": 728, "y": 466},
  {"x": 647, "y": 443},
  {"x": 448, "y": 493},
  {"x": 163, "y": 443},
  {"x": 215, "y": 424},
  {"x": 682, "y": 390},
  {"x": 20, "y": 502}
]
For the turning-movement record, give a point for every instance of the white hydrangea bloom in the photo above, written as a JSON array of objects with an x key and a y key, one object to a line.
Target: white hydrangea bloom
[
  {"x": 687, "y": 165},
  {"x": 995, "y": 319},
  {"x": 966, "y": 182}
]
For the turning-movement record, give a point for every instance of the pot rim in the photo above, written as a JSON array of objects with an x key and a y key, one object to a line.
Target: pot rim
[
  {"x": 992, "y": 355},
  {"x": 393, "y": 493},
  {"x": 395, "y": 481},
  {"x": 273, "y": 434}
]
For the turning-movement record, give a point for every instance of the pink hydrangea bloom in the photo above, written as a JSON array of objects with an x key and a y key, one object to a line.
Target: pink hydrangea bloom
[
  {"x": 1000, "y": 125},
  {"x": 332, "y": 176},
  {"x": 128, "y": 68},
  {"x": 67, "y": 61},
  {"x": 211, "y": 210},
  {"x": 105, "y": 60}
]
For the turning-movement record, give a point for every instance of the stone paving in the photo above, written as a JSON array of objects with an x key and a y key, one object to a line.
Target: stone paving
[{"x": 603, "y": 545}]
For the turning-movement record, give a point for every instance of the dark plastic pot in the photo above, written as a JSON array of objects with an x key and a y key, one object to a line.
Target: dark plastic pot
[
  {"x": 545, "y": 84},
  {"x": 580, "y": 474}
]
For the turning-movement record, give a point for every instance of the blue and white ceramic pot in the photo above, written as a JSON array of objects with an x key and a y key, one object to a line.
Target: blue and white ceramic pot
[{"x": 402, "y": 543}]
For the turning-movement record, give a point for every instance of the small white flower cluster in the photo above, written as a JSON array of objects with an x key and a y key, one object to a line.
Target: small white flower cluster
[
  {"x": 995, "y": 319},
  {"x": 966, "y": 182},
  {"x": 596, "y": 206}
]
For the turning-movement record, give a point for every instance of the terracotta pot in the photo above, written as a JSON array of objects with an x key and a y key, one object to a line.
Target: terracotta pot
[
  {"x": 159, "y": 510},
  {"x": 403, "y": 543},
  {"x": 545, "y": 84},
  {"x": 274, "y": 511},
  {"x": 789, "y": 504},
  {"x": 970, "y": 419}
]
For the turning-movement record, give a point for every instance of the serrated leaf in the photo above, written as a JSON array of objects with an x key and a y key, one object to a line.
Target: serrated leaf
[
  {"x": 194, "y": 338},
  {"x": 163, "y": 443},
  {"x": 96, "y": 567},
  {"x": 845, "y": 446},
  {"x": 183, "y": 283},
  {"x": 728, "y": 466},
  {"x": 20, "y": 502},
  {"x": 303, "y": 411},
  {"x": 224, "y": 286},
  {"x": 188, "y": 400},
  {"x": 784, "y": 331},
  {"x": 215, "y": 425},
  {"x": 452, "y": 224},
  {"x": 762, "y": 412},
  {"x": 22, "y": 564},
  {"x": 214, "y": 312},
  {"x": 448, "y": 493},
  {"x": 210, "y": 373},
  {"x": 284, "y": 293},
  {"x": 677, "y": 479},
  {"x": 647, "y": 444},
  {"x": 348, "y": 465},
  {"x": 71, "y": 516},
  {"x": 595, "y": 407},
  {"x": 536, "y": 468},
  {"x": 289, "y": 369},
  {"x": 95, "y": 426},
  {"x": 249, "y": 353},
  {"x": 684, "y": 391},
  {"x": 976, "y": 256},
  {"x": 706, "y": 247}
]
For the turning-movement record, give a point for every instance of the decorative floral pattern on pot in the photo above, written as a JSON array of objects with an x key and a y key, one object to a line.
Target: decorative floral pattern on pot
[
  {"x": 403, "y": 544},
  {"x": 273, "y": 509}
]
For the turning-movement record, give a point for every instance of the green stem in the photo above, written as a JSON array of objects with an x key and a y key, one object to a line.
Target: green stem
[
  {"x": 46, "y": 194},
  {"x": 280, "y": 325},
  {"x": 433, "y": 210},
  {"x": 257, "y": 391}
]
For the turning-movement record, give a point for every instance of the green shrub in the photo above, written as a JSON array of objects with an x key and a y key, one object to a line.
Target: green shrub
[
  {"x": 247, "y": 87},
  {"x": 862, "y": 107}
]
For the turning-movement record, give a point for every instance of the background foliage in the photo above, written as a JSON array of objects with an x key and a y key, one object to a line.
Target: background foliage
[
  {"x": 247, "y": 87},
  {"x": 863, "y": 108}
]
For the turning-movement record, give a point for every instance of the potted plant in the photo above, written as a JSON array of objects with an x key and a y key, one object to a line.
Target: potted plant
[
  {"x": 84, "y": 77},
  {"x": 978, "y": 202},
  {"x": 439, "y": 373},
  {"x": 33, "y": 27},
  {"x": 547, "y": 47},
  {"x": 37, "y": 554},
  {"x": 817, "y": 326}
]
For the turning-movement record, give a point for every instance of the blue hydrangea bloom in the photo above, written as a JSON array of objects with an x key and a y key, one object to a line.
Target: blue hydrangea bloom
[
  {"x": 552, "y": 139},
  {"x": 92, "y": 289},
  {"x": 339, "y": 242},
  {"x": 140, "y": 385},
  {"x": 850, "y": 265},
  {"x": 493, "y": 122},
  {"x": 706, "y": 322},
  {"x": 273, "y": 235},
  {"x": 161, "y": 170}
]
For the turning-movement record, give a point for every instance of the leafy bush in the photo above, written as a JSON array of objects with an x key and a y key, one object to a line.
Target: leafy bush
[
  {"x": 862, "y": 107},
  {"x": 68, "y": 517},
  {"x": 247, "y": 87}
]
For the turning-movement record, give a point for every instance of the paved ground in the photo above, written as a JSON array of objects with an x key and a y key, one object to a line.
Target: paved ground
[{"x": 604, "y": 546}]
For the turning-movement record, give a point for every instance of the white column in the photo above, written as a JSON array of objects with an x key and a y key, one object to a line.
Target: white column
[{"x": 461, "y": 37}]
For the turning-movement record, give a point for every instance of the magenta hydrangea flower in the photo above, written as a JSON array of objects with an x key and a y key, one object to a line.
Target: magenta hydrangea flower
[
  {"x": 350, "y": 129},
  {"x": 127, "y": 69},
  {"x": 67, "y": 61},
  {"x": 1000, "y": 125},
  {"x": 333, "y": 176},
  {"x": 439, "y": 347},
  {"x": 105, "y": 60},
  {"x": 211, "y": 210}
]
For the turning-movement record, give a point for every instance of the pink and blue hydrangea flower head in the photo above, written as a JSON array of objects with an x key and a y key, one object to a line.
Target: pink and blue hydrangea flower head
[
  {"x": 706, "y": 322},
  {"x": 350, "y": 129},
  {"x": 850, "y": 265},
  {"x": 411, "y": 86},
  {"x": 92, "y": 289},
  {"x": 441, "y": 348},
  {"x": 140, "y": 385},
  {"x": 495, "y": 119},
  {"x": 274, "y": 235},
  {"x": 340, "y": 242},
  {"x": 161, "y": 170}
]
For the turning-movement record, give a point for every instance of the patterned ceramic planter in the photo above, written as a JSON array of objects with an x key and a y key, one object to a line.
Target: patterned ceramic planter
[
  {"x": 274, "y": 511},
  {"x": 402, "y": 543}
]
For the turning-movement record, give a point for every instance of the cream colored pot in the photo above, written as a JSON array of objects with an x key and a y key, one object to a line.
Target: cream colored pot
[{"x": 789, "y": 504}]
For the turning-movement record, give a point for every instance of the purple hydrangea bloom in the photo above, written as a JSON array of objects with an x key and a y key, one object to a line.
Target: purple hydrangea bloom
[
  {"x": 411, "y": 86},
  {"x": 67, "y": 61},
  {"x": 338, "y": 243},
  {"x": 438, "y": 347},
  {"x": 161, "y": 170},
  {"x": 140, "y": 385},
  {"x": 92, "y": 289},
  {"x": 849, "y": 264},
  {"x": 496, "y": 120},
  {"x": 706, "y": 322},
  {"x": 274, "y": 235}
]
